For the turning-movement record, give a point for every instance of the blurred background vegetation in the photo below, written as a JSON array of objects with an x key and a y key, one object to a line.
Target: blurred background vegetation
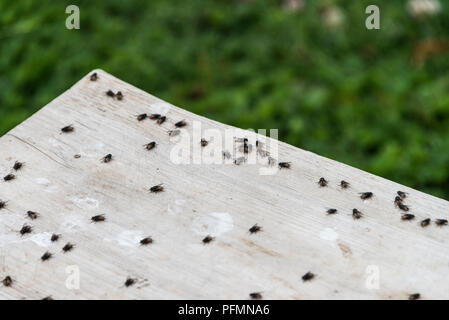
[{"x": 374, "y": 99}]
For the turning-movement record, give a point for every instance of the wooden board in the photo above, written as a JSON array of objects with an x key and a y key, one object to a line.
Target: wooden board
[{"x": 378, "y": 256}]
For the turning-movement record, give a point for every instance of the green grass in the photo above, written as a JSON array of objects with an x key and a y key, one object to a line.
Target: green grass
[{"x": 354, "y": 95}]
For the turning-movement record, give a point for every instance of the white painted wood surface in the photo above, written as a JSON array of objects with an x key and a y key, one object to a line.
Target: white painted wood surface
[{"x": 222, "y": 200}]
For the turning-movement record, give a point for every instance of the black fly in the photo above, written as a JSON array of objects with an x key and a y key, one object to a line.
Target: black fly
[
  {"x": 241, "y": 140},
  {"x": 180, "y": 124},
  {"x": 255, "y": 295},
  {"x": 246, "y": 148},
  {"x": 366, "y": 195},
  {"x": 308, "y": 276},
  {"x": 239, "y": 160},
  {"x": 129, "y": 282},
  {"x": 407, "y": 216},
  {"x": 147, "y": 240},
  {"x": 107, "y": 158},
  {"x": 68, "y": 129},
  {"x": 414, "y": 296},
  {"x": 425, "y": 222},
  {"x": 263, "y": 153},
  {"x": 67, "y": 247},
  {"x": 285, "y": 165},
  {"x": 344, "y": 184},
  {"x": 322, "y": 182},
  {"x": 402, "y": 194},
  {"x": 98, "y": 218},
  {"x": 356, "y": 214},
  {"x": 17, "y": 166},
  {"x": 161, "y": 120},
  {"x": 46, "y": 256},
  {"x": 331, "y": 211},
  {"x": 32, "y": 215},
  {"x": 154, "y": 116},
  {"x": 156, "y": 189},
  {"x": 142, "y": 117},
  {"x": 9, "y": 177},
  {"x": 397, "y": 200},
  {"x": 255, "y": 228},
  {"x": 26, "y": 229},
  {"x": 150, "y": 145},
  {"x": 208, "y": 239},
  {"x": 7, "y": 282}
]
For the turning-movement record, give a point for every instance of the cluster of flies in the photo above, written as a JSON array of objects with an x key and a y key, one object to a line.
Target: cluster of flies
[
  {"x": 8, "y": 281},
  {"x": 399, "y": 203},
  {"x": 26, "y": 229},
  {"x": 356, "y": 213},
  {"x": 12, "y": 175},
  {"x": 245, "y": 148},
  {"x": 160, "y": 119},
  {"x": 54, "y": 237},
  {"x": 109, "y": 93}
]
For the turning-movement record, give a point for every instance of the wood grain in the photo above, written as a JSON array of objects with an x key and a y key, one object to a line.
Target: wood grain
[{"x": 222, "y": 200}]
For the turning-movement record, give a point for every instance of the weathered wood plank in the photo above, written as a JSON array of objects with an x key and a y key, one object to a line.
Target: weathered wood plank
[{"x": 222, "y": 200}]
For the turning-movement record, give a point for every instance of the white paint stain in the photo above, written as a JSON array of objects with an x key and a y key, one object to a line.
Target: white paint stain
[
  {"x": 215, "y": 224},
  {"x": 127, "y": 238},
  {"x": 160, "y": 107},
  {"x": 329, "y": 234},
  {"x": 86, "y": 203},
  {"x": 47, "y": 183},
  {"x": 41, "y": 239},
  {"x": 43, "y": 181}
]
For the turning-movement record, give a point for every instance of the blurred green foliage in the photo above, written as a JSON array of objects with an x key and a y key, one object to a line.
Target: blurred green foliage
[{"x": 374, "y": 99}]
